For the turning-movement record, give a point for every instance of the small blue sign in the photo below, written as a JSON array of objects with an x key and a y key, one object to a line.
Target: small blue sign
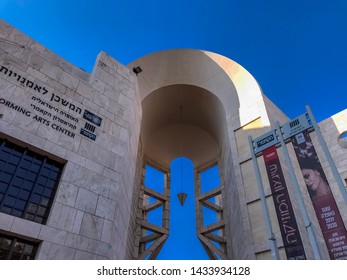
[
  {"x": 92, "y": 118},
  {"x": 88, "y": 134}
]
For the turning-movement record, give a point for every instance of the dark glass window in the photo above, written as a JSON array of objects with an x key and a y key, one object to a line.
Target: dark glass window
[
  {"x": 12, "y": 248},
  {"x": 28, "y": 182}
]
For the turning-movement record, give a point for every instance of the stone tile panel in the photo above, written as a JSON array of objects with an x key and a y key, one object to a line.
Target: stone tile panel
[
  {"x": 76, "y": 241},
  {"x": 6, "y": 221},
  {"x": 83, "y": 255},
  {"x": 53, "y": 235},
  {"x": 13, "y": 61},
  {"x": 91, "y": 227},
  {"x": 32, "y": 59},
  {"x": 18, "y": 37},
  {"x": 106, "y": 208},
  {"x": 59, "y": 252},
  {"x": 67, "y": 194},
  {"x": 5, "y": 29},
  {"x": 86, "y": 201},
  {"x": 69, "y": 80},
  {"x": 51, "y": 70}
]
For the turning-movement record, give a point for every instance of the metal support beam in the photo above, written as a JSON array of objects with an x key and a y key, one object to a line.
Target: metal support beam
[{"x": 265, "y": 210}]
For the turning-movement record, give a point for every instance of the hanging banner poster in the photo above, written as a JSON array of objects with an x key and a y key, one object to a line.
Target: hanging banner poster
[
  {"x": 324, "y": 204},
  {"x": 284, "y": 210}
]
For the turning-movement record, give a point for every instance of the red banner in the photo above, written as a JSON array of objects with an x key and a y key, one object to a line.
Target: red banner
[
  {"x": 324, "y": 204},
  {"x": 284, "y": 210}
]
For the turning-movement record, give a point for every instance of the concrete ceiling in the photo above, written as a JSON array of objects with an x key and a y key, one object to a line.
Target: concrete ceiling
[
  {"x": 163, "y": 132},
  {"x": 216, "y": 93}
]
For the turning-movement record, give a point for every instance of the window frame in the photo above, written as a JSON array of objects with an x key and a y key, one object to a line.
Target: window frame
[
  {"x": 28, "y": 182},
  {"x": 14, "y": 241}
]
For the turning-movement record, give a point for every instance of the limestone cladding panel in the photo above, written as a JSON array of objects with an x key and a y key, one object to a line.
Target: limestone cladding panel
[
  {"x": 6, "y": 221},
  {"x": 52, "y": 235},
  {"x": 13, "y": 49},
  {"x": 51, "y": 56},
  {"x": 36, "y": 47},
  {"x": 83, "y": 255},
  {"x": 107, "y": 78},
  {"x": 107, "y": 231},
  {"x": 33, "y": 59},
  {"x": 44, "y": 250},
  {"x": 53, "y": 217},
  {"x": 51, "y": 70},
  {"x": 86, "y": 201},
  {"x": 258, "y": 225},
  {"x": 240, "y": 243},
  {"x": 67, "y": 194},
  {"x": 250, "y": 182},
  {"x": 97, "y": 84},
  {"x": 60, "y": 252},
  {"x": 76, "y": 241},
  {"x": 58, "y": 86},
  {"x": 55, "y": 149},
  {"x": 85, "y": 90},
  {"x": 91, "y": 226},
  {"x": 110, "y": 93},
  {"x": 78, "y": 222},
  {"x": 69, "y": 81},
  {"x": 6, "y": 89},
  {"x": 66, "y": 218},
  {"x": 106, "y": 208},
  {"x": 102, "y": 249},
  {"x": 101, "y": 100},
  {"x": 114, "y": 189},
  {"x": 26, "y": 228},
  {"x": 81, "y": 177},
  {"x": 37, "y": 75},
  {"x": 100, "y": 185},
  {"x": 16, "y": 62}
]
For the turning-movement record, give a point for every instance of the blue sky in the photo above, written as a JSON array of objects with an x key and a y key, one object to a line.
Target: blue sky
[{"x": 295, "y": 49}]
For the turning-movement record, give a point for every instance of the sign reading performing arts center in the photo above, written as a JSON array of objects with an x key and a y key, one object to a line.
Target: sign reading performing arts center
[{"x": 45, "y": 109}]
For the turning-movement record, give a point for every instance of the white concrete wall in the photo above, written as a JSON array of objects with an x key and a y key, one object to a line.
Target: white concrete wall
[{"x": 90, "y": 216}]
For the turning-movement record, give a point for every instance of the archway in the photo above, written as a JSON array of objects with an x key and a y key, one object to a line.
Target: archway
[
  {"x": 182, "y": 242},
  {"x": 217, "y": 96},
  {"x": 180, "y": 120}
]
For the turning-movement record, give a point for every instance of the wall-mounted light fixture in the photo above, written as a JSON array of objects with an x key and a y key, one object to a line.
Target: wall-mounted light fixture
[{"x": 137, "y": 70}]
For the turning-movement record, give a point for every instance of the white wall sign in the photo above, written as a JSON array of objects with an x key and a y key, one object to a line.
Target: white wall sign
[
  {"x": 295, "y": 126},
  {"x": 265, "y": 141}
]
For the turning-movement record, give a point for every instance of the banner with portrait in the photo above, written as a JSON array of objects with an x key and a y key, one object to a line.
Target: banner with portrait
[
  {"x": 324, "y": 204},
  {"x": 285, "y": 215}
]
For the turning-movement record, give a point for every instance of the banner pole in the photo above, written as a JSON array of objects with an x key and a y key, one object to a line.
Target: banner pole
[
  {"x": 308, "y": 224},
  {"x": 328, "y": 155},
  {"x": 271, "y": 235}
]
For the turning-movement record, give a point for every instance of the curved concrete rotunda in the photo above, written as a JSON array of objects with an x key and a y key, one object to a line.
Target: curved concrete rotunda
[{"x": 213, "y": 91}]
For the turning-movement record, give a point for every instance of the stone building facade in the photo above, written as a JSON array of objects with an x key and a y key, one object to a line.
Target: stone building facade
[{"x": 74, "y": 146}]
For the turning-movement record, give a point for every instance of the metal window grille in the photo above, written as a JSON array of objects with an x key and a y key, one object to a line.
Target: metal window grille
[
  {"x": 28, "y": 182},
  {"x": 13, "y": 248}
]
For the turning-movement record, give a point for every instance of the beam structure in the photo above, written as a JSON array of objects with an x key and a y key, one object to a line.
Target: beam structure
[
  {"x": 212, "y": 235},
  {"x": 150, "y": 238}
]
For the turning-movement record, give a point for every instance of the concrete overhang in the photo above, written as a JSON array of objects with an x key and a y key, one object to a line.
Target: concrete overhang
[{"x": 212, "y": 90}]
